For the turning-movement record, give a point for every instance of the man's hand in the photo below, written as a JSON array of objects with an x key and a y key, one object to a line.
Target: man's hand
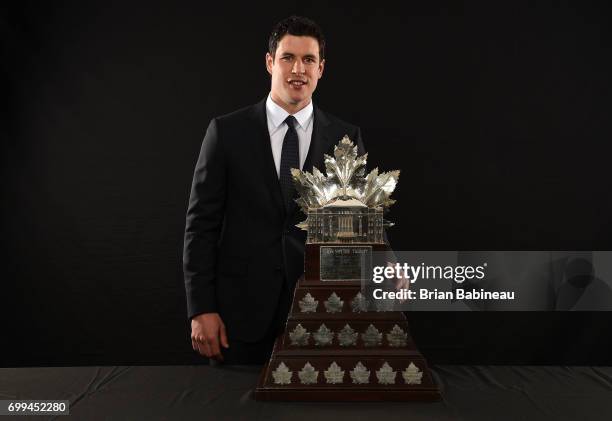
[
  {"x": 207, "y": 333},
  {"x": 400, "y": 281}
]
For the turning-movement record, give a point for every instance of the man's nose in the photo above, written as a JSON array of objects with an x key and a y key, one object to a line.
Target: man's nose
[{"x": 298, "y": 67}]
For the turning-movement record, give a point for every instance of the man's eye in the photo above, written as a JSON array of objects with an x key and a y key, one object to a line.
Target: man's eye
[
  {"x": 286, "y": 58},
  {"x": 309, "y": 60}
]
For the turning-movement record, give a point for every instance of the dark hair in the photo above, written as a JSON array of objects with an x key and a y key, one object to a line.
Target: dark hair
[{"x": 298, "y": 26}]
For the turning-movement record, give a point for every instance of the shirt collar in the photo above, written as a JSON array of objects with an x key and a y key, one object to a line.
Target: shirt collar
[{"x": 278, "y": 115}]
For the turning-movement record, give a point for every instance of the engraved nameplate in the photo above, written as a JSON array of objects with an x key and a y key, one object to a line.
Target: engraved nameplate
[{"x": 345, "y": 263}]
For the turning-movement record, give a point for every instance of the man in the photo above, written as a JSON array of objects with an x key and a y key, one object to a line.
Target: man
[{"x": 243, "y": 253}]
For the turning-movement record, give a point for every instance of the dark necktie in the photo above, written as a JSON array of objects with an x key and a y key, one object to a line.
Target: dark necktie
[{"x": 290, "y": 158}]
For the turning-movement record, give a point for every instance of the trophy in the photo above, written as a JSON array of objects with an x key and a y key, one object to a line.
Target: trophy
[{"x": 338, "y": 345}]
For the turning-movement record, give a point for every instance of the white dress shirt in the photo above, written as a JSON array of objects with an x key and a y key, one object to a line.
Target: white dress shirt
[{"x": 278, "y": 128}]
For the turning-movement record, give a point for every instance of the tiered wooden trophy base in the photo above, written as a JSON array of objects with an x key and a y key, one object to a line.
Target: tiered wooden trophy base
[{"x": 336, "y": 348}]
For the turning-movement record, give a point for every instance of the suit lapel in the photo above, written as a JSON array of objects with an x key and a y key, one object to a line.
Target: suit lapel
[
  {"x": 320, "y": 142},
  {"x": 264, "y": 148}
]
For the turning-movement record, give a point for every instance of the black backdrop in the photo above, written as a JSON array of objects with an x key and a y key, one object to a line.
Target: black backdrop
[{"x": 498, "y": 117}]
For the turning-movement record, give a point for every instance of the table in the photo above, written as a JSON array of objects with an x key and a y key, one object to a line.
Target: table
[{"x": 224, "y": 393}]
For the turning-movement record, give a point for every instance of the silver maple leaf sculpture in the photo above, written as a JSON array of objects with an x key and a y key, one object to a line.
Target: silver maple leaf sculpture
[{"x": 344, "y": 179}]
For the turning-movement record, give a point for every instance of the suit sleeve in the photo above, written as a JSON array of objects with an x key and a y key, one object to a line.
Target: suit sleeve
[{"x": 203, "y": 225}]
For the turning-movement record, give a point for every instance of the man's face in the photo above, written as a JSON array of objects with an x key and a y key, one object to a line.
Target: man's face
[{"x": 295, "y": 71}]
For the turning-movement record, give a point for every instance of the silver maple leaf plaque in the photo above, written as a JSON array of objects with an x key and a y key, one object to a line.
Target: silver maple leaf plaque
[
  {"x": 299, "y": 336},
  {"x": 282, "y": 375},
  {"x": 323, "y": 336},
  {"x": 386, "y": 375},
  {"x": 308, "y": 375},
  {"x": 359, "y": 303},
  {"x": 371, "y": 337},
  {"x": 308, "y": 304},
  {"x": 347, "y": 336},
  {"x": 397, "y": 337},
  {"x": 334, "y": 304},
  {"x": 360, "y": 375},
  {"x": 334, "y": 374},
  {"x": 412, "y": 374},
  {"x": 383, "y": 305}
]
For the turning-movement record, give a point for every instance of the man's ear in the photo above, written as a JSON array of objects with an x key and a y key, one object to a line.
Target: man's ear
[
  {"x": 269, "y": 63},
  {"x": 321, "y": 66}
]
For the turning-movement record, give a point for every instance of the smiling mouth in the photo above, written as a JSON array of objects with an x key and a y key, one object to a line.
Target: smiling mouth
[{"x": 296, "y": 82}]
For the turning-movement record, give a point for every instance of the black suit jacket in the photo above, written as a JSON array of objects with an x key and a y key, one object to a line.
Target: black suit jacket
[{"x": 241, "y": 243}]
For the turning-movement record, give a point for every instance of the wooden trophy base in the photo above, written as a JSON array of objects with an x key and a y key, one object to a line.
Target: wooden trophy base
[
  {"x": 336, "y": 348},
  {"x": 347, "y": 391}
]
